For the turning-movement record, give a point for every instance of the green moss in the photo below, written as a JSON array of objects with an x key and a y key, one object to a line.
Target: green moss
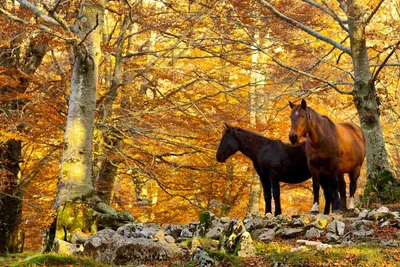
[
  {"x": 381, "y": 188},
  {"x": 222, "y": 257},
  {"x": 74, "y": 216},
  {"x": 50, "y": 260}
]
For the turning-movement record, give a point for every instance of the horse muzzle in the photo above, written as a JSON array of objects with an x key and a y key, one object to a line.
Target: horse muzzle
[
  {"x": 220, "y": 159},
  {"x": 294, "y": 139}
]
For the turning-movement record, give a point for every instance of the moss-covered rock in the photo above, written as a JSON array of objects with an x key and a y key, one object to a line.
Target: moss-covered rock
[{"x": 381, "y": 188}]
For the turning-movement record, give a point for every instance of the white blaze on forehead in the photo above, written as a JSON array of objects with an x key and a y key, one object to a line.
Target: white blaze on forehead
[{"x": 296, "y": 113}]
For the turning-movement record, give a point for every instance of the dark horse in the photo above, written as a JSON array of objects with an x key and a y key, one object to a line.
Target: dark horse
[
  {"x": 332, "y": 149},
  {"x": 273, "y": 160}
]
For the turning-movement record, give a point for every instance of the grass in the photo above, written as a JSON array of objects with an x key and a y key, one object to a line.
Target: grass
[
  {"x": 54, "y": 260},
  {"x": 363, "y": 255},
  {"x": 356, "y": 255}
]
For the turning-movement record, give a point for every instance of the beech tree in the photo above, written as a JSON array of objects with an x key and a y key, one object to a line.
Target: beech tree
[{"x": 351, "y": 19}]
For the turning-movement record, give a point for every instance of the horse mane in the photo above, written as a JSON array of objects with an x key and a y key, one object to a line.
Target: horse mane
[
  {"x": 331, "y": 123},
  {"x": 248, "y": 132}
]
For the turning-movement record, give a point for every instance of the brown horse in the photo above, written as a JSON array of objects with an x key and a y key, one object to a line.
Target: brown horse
[{"x": 332, "y": 149}]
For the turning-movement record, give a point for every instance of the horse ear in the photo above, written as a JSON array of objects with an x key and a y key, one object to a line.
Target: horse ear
[
  {"x": 291, "y": 104},
  {"x": 303, "y": 104}
]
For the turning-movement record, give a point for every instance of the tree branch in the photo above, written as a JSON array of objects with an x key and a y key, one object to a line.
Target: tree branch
[
  {"x": 328, "y": 11},
  {"x": 304, "y": 28},
  {"x": 38, "y": 13},
  {"x": 373, "y": 12},
  {"x": 385, "y": 61},
  {"x": 307, "y": 74}
]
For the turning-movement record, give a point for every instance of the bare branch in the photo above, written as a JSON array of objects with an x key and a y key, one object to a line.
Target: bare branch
[
  {"x": 373, "y": 12},
  {"x": 306, "y": 29},
  {"x": 331, "y": 84},
  {"x": 385, "y": 61},
  {"x": 38, "y": 13},
  {"x": 328, "y": 11}
]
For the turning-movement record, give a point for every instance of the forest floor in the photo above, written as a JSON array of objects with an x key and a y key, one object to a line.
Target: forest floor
[
  {"x": 375, "y": 250},
  {"x": 277, "y": 253}
]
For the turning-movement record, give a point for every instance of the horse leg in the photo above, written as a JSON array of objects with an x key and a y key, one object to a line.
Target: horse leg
[
  {"x": 266, "y": 184},
  {"x": 342, "y": 192},
  {"x": 334, "y": 191},
  {"x": 316, "y": 184},
  {"x": 276, "y": 192},
  {"x": 327, "y": 192},
  {"x": 353, "y": 185}
]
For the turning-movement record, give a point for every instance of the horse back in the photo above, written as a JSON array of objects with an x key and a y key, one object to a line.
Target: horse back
[{"x": 352, "y": 146}]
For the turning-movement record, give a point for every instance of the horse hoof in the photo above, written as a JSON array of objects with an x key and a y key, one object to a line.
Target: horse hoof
[
  {"x": 338, "y": 211},
  {"x": 314, "y": 212}
]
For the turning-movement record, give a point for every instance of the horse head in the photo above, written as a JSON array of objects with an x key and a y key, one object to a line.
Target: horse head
[
  {"x": 299, "y": 121},
  {"x": 228, "y": 144}
]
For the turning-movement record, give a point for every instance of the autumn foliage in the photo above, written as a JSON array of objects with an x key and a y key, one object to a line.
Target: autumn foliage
[{"x": 170, "y": 74}]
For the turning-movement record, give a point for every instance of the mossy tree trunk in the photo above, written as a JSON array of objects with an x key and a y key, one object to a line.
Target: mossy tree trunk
[
  {"x": 75, "y": 217},
  {"x": 379, "y": 176}
]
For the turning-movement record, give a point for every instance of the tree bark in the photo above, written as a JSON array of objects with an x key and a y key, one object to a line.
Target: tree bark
[
  {"x": 365, "y": 98},
  {"x": 11, "y": 201},
  {"x": 255, "y": 117},
  {"x": 75, "y": 219},
  {"x": 12, "y": 237}
]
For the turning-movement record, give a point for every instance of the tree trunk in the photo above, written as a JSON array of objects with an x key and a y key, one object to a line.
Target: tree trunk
[
  {"x": 105, "y": 170},
  {"x": 12, "y": 237},
  {"x": 255, "y": 117},
  {"x": 75, "y": 219},
  {"x": 381, "y": 185},
  {"x": 365, "y": 97}
]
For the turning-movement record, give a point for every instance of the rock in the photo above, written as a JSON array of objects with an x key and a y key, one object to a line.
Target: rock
[
  {"x": 363, "y": 233},
  {"x": 231, "y": 236},
  {"x": 246, "y": 247},
  {"x": 292, "y": 232},
  {"x": 215, "y": 233},
  {"x": 389, "y": 243},
  {"x": 383, "y": 209},
  {"x": 318, "y": 245},
  {"x": 360, "y": 225},
  {"x": 385, "y": 223},
  {"x": 363, "y": 215},
  {"x": 173, "y": 230},
  {"x": 323, "y": 247},
  {"x": 283, "y": 219},
  {"x": 267, "y": 235},
  {"x": 336, "y": 227},
  {"x": 66, "y": 248},
  {"x": 313, "y": 233},
  {"x": 321, "y": 221},
  {"x": 136, "y": 230},
  {"x": 299, "y": 249},
  {"x": 186, "y": 233},
  {"x": 124, "y": 247},
  {"x": 256, "y": 223},
  {"x": 332, "y": 237},
  {"x": 398, "y": 235},
  {"x": 201, "y": 258},
  {"x": 98, "y": 243},
  {"x": 169, "y": 239}
]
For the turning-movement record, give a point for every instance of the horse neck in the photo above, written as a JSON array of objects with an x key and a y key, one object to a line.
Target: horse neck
[
  {"x": 249, "y": 143},
  {"x": 315, "y": 133}
]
